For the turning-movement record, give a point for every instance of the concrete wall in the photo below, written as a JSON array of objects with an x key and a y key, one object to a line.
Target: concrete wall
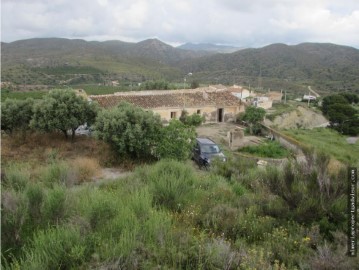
[
  {"x": 265, "y": 104},
  {"x": 285, "y": 141}
]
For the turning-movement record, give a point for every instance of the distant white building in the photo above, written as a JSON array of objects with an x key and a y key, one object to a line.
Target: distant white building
[
  {"x": 240, "y": 92},
  {"x": 262, "y": 102},
  {"x": 309, "y": 97}
]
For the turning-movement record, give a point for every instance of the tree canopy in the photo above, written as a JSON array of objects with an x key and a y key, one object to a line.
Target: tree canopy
[
  {"x": 16, "y": 114},
  {"x": 63, "y": 110},
  {"x": 253, "y": 116},
  {"x": 131, "y": 131},
  {"x": 332, "y": 99},
  {"x": 342, "y": 115}
]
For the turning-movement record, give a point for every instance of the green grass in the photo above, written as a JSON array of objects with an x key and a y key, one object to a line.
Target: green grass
[
  {"x": 270, "y": 149},
  {"x": 328, "y": 141},
  {"x": 5, "y": 94},
  {"x": 280, "y": 108}
]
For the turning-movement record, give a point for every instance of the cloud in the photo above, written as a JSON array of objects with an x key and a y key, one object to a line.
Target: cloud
[{"x": 247, "y": 23}]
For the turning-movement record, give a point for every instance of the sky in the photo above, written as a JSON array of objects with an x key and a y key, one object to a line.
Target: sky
[{"x": 240, "y": 23}]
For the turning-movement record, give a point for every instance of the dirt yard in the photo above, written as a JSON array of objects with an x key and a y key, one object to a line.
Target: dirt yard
[{"x": 218, "y": 132}]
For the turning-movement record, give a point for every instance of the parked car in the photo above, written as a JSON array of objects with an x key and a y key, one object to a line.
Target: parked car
[
  {"x": 83, "y": 130},
  {"x": 205, "y": 151}
]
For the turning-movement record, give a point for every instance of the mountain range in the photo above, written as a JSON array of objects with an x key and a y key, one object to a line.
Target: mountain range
[
  {"x": 52, "y": 61},
  {"x": 208, "y": 47}
]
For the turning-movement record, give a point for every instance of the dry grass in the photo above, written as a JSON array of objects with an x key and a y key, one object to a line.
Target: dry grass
[
  {"x": 335, "y": 166},
  {"x": 40, "y": 148},
  {"x": 86, "y": 169}
]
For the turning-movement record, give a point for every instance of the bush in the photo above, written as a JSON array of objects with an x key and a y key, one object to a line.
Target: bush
[
  {"x": 268, "y": 149},
  {"x": 85, "y": 169},
  {"x": 13, "y": 217},
  {"x": 191, "y": 120},
  {"x": 221, "y": 220},
  {"x": 177, "y": 141},
  {"x": 16, "y": 114},
  {"x": 131, "y": 131},
  {"x": 17, "y": 176},
  {"x": 56, "y": 173},
  {"x": 60, "y": 248},
  {"x": 35, "y": 199},
  {"x": 170, "y": 183},
  {"x": 54, "y": 206}
]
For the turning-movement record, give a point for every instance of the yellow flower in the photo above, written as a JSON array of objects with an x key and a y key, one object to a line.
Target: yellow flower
[{"x": 306, "y": 239}]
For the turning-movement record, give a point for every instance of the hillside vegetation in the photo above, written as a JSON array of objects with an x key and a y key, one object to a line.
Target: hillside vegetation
[
  {"x": 328, "y": 141},
  {"x": 167, "y": 215},
  {"x": 326, "y": 67}
]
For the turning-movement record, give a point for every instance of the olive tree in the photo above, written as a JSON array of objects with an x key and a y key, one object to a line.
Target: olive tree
[
  {"x": 253, "y": 116},
  {"x": 16, "y": 114},
  {"x": 131, "y": 131},
  {"x": 63, "y": 110}
]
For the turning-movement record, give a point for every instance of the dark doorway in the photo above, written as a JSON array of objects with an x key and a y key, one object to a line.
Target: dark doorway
[{"x": 220, "y": 114}]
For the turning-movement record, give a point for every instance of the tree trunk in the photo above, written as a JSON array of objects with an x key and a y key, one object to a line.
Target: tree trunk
[
  {"x": 73, "y": 135},
  {"x": 65, "y": 133},
  {"x": 251, "y": 128}
]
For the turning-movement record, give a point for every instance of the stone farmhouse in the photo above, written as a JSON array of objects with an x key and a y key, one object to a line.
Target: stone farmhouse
[{"x": 215, "y": 103}]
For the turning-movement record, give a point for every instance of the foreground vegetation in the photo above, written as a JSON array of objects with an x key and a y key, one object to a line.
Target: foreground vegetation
[
  {"x": 269, "y": 149},
  {"x": 164, "y": 215},
  {"x": 169, "y": 216}
]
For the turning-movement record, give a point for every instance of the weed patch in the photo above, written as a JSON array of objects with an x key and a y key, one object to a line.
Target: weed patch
[{"x": 270, "y": 149}]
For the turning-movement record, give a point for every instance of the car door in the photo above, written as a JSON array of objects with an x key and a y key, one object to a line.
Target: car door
[{"x": 196, "y": 152}]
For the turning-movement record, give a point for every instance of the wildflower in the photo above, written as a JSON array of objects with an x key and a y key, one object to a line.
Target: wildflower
[{"x": 306, "y": 239}]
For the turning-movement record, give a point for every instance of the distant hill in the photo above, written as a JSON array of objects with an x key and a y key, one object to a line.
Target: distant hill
[
  {"x": 213, "y": 48},
  {"x": 327, "y": 67},
  {"x": 58, "y": 60},
  {"x": 54, "y": 61}
]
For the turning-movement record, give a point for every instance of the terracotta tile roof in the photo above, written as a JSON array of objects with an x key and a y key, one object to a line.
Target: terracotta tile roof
[{"x": 170, "y": 98}]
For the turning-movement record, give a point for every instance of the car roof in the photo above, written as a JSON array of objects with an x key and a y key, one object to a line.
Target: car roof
[{"x": 205, "y": 141}]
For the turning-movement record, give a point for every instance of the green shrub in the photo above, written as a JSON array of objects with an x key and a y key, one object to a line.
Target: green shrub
[
  {"x": 271, "y": 149},
  {"x": 191, "y": 120},
  {"x": 256, "y": 258},
  {"x": 170, "y": 183},
  {"x": 57, "y": 172},
  {"x": 221, "y": 220},
  {"x": 219, "y": 254},
  {"x": 35, "y": 198},
  {"x": 101, "y": 212},
  {"x": 13, "y": 217},
  {"x": 233, "y": 167},
  {"x": 17, "y": 176},
  {"x": 54, "y": 208},
  {"x": 55, "y": 248},
  {"x": 238, "y": 189},
  {"x": 253, "y": 227}
]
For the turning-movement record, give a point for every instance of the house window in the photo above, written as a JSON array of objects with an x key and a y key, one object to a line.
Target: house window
[
  {"x": 173, "y": 115},
  {"x": 198, "y": 111}
]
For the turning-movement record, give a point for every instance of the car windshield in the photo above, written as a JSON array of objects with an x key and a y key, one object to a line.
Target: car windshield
[{"x": 210, "y": 148}]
